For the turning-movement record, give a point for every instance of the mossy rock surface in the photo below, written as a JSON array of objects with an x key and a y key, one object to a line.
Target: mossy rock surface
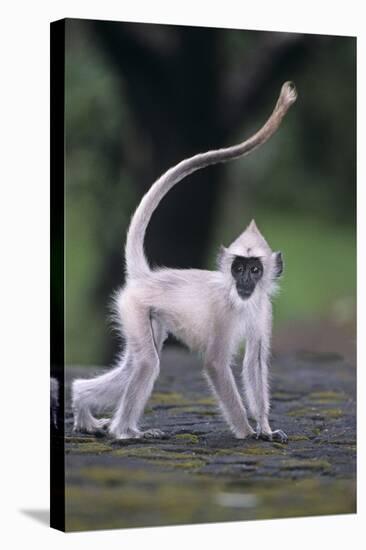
[
  {"x": 187, "y": 438},
  {"x": 316, "y": 413},
  {"x": 201, "y": 473},
  {"x": 303, "y": 464}
]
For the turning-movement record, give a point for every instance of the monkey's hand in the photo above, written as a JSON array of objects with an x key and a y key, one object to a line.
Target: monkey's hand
[{"x": 277, "y": 435}]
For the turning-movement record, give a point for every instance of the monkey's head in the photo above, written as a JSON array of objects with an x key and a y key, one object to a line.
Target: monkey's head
[{"x": 250, "y": 263}]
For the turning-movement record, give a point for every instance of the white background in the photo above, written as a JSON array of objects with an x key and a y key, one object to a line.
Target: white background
[{"x": 24, "y": 268}]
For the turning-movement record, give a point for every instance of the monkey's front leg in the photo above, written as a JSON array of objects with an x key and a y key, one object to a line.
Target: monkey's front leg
[
  {"x": 222, "y": 381},
  {"x": 255, "y": 377}
]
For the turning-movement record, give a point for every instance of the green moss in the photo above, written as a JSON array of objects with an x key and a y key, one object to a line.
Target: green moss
[
  {"x": 167, "y": 504},
  {"x": 152, "y": 453},
  {"x": 305, "y": 464},
  {"x": 192, "y": 464},
  {"x": 324, "y": 397},
  {"x": 258, "y": 451},
  {"x": 189, "y": 438},
  {"x": 164, "y": 500},
  {"x": 278, "y": 445},
  {"x": 333, "y": 413},
  {"x": 192, "y": 409},
  {"x": 310, "y": 411},
  {"x": 298, "y": 437},
  {"x": 206, "y": 401},
  {"x": 315, "y": 413},
  {"x": 174, "y": 398},
  {"x": 114, "y": 476},
  {"x": 94, "y": 447},
  {"x": 283, "y": 396},
  {"x": 78, "y": 439},
  {"x": 342, "y": 442},
  {"x": 155, "y": 453},
  {"x": 245, "y": 450},
  {"x": 169, "y": 398},
  {"x": 306, "y": 497}
]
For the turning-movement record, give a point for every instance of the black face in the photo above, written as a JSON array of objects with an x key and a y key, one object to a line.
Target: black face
[{"x": 246, "y": 272}]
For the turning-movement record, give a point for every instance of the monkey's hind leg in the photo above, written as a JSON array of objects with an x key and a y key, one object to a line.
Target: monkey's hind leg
[
  {"x": 94, "y": 395},
  {"x": 144, "y": 371}
]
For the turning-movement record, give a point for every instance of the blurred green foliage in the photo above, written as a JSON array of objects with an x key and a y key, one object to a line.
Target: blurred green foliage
[
  {"x": 300, "y": 188},
  {"x": 99, "y": 193},
  {"x": 320, "y": 266}
]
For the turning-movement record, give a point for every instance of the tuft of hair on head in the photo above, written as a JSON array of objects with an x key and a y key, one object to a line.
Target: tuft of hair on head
[
  {"x": 253, "y": 226},
  {"x": 250, "y": 242}
]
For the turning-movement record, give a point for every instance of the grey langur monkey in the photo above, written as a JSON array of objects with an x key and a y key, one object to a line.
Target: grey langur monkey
[{"x": 210, "y": 311}]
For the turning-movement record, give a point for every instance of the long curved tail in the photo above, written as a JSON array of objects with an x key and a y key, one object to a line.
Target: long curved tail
[{"x": 136, "y": 262}]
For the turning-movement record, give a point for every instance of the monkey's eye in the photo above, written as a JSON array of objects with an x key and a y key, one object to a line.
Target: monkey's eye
[
  {"x": 238, "y": 268},
  {"x": 255, "y": 269}
]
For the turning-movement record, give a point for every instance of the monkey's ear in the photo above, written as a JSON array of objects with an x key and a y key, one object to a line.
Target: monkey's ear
[
  {"x": 278, "y": 263},
  {"x": 223, "y": 253}
]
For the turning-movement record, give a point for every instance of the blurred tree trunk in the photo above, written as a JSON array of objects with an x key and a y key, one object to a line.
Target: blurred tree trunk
[
  {"x": 158, "y": 66},
  {"x": 174, "y": 79}
]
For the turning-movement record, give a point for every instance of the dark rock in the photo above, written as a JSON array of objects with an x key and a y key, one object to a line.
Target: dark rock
[{"x": 313, "y": 402}]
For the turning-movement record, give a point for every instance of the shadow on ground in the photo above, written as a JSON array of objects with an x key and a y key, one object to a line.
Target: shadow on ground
[
  {"x": 201, "y": 473},
  {"x": 42, "y": 516}
]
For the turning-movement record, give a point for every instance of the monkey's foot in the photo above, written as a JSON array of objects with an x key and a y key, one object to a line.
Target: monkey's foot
[
  {"x": 94, "y": 426},
  {"x": 127, "y": 433},
  {"x": 246, "y": 435},
  {"x": 278, "y": 436}
]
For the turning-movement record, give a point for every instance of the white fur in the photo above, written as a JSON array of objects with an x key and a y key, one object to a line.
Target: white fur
[{"x": 201, "y": 308}]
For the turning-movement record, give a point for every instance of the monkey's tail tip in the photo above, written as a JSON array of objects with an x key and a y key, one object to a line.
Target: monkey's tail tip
[{"x": 288, "y": 94}]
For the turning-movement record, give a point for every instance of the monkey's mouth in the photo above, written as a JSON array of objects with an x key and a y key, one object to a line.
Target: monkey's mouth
[{"x": 245, "y": 292}]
